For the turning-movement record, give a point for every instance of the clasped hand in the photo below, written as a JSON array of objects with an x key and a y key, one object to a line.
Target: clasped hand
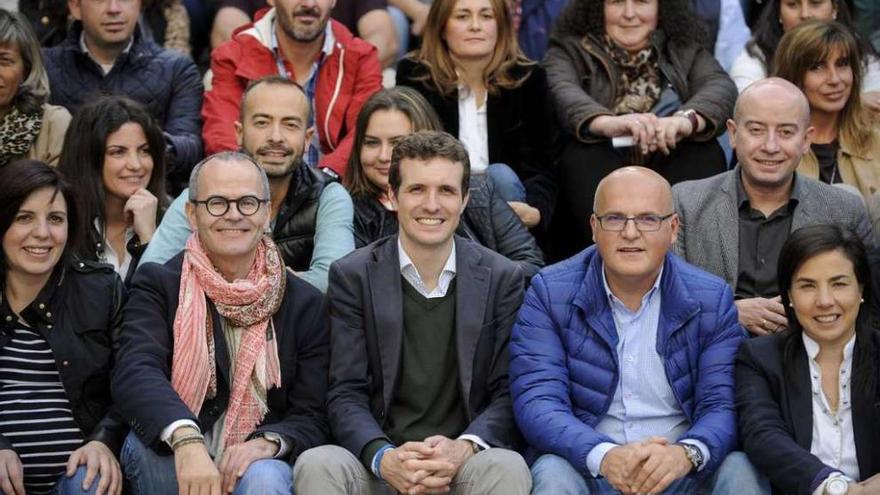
[
  {"x": 425, "y": 467},
  {"x": 648, "y": 467}
]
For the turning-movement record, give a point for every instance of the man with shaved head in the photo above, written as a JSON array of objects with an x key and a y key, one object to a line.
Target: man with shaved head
[
  {"x": 734, "y": 224},
  {"x": 622, "y": 359}
]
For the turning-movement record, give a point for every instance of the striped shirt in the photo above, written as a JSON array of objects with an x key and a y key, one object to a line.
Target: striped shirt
[{"x": 35, "y": 414}]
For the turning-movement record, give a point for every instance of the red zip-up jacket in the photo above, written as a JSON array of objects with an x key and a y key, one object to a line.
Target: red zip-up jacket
[{"x": 347, "y": 77}]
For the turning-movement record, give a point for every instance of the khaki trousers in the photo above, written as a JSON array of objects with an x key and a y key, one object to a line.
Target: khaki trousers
[{"x": 331, "y": 469}]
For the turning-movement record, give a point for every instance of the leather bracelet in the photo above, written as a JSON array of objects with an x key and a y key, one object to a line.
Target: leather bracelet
[
  {"x": 187, "y": 441},
  {"x": 188, "y": 438}
]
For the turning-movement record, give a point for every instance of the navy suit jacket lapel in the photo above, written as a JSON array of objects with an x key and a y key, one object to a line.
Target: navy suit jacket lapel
[
  {"x": 386, "y": 297},
  {"x": 471, "y": 297},
  {"x": 800, "y": 400}
]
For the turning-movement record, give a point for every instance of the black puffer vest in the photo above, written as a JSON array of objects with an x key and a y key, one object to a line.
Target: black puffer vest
[{"x": 294, "y": 227}]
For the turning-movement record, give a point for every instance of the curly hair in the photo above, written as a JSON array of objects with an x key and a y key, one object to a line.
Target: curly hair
[{"x": 587, "y": 17}]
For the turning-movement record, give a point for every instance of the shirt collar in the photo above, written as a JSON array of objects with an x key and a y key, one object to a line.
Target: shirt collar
[
  {"x": 329, "y": 39},
  {"x": 742, "y": 198},
  {"x": 85, "y": 48},
  {"x": 612, "y": 299},
  {"x": 812, "y": 347},
  {"x": 405, "y": 260}
]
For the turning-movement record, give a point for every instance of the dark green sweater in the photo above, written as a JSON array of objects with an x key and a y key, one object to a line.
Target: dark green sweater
[{"x": 427, "y": 400}]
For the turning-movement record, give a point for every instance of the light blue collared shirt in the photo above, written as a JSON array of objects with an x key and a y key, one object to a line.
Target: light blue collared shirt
[{"x": 644, "y": 404}]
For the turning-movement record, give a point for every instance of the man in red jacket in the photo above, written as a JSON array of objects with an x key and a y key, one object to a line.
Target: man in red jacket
[{"x": 296, "y": 39}]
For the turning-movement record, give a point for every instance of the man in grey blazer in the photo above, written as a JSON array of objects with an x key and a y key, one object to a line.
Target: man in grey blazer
[
  {"x": 734, "y": 224},
  {"x": 420, "y": 324}
]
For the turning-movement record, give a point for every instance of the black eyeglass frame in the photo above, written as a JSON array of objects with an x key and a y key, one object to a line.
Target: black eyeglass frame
[
  {"x": 635, "y": 219},
  {"x": 227, "y": 202}
]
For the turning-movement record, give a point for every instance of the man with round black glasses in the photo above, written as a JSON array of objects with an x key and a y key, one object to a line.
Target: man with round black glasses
[
  {"x": 223, "y": 358},
  {"x": 621, "y": 366}
]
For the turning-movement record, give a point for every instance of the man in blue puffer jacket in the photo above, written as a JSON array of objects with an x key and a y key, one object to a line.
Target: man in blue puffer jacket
[{"x": 622, "y": 360}]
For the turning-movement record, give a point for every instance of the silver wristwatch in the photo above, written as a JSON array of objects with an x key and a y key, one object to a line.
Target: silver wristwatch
[
  {"x": 272, "y": 437},
  {"x": 694, "y": 454},
  {"x": 836, "y": 485}
]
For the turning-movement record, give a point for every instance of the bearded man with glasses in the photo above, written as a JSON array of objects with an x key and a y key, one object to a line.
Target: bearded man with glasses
[
  {"x": 223, "y": 359},
  {"x": 621, "y": 366}
]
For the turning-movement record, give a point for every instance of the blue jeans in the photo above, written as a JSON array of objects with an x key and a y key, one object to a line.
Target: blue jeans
[
  {"x": 401, "y": 29},
  {"x": 553, "y": 475},
  {"x": 73, "y": 485},
  {"x": 149, "y": 473},
  {"x": 507, "y": 183}
]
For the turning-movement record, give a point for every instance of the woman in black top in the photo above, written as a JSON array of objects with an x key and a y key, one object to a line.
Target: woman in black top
[
  {"x": 386, "y": 117},
  {"x": 807, "y": 399},
  {"x": 57, "y": 320},
  {"x": 491, "y": 97}
]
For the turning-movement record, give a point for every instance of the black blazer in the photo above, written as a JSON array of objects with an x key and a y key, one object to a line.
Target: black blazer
[
  {"x": 79, "y": 313},
  {"x": 366, "y": 324},
  {"x": 775, "y": 414},
  {"x": 142, "y": 379},
  {"x": 522, "y": 132}
]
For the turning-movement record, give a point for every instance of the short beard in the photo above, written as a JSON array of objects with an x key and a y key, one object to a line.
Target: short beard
[
  {"x": 302, "y": 37},
  {"x": 272, "y": 174}
]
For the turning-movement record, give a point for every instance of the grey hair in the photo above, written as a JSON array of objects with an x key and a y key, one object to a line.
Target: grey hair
[
  {"x": 225, "y": 156},
  {"x": 16, "y": 30}
]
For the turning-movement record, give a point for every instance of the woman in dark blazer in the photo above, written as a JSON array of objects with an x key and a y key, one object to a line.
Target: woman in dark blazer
[
  {"x": 469, "y": 59},
  {"x": 386, "y": 117},
  {"x": 806, "y": 398}
]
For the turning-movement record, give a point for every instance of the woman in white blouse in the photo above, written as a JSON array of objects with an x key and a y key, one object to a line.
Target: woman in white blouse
[
  {"x": 780, "y": 16},
  {"x": 806, "y": 398}
]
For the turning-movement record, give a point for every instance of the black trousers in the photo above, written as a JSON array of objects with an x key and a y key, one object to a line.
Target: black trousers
[{"x": 582, "y": 166}]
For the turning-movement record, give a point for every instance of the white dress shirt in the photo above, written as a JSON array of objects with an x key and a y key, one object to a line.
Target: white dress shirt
[
  {"x": 473, "y": 131},
  {"x": 833, "y": 438}
]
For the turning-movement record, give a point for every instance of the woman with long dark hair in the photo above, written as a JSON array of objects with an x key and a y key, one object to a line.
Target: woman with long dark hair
[
  {"x": 114, "y": 155},
  {"x": 390, "y": 115},
  {"x": 634, "y": 71},
  {"x": 489, "y": 95},
  {"x": 58, "y": 317},
  {"x": 807, "y": 397}
]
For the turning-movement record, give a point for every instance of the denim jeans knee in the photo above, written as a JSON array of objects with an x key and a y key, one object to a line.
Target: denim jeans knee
[
  {"x": 74, "y": 484},
  {"x": 147, "y": 472},
  {"x": 553, "y": 475},
  {"x": 266, "y": 477},
  {"x": 507, "y": 184},
  {"x": 737, "y": 476}
]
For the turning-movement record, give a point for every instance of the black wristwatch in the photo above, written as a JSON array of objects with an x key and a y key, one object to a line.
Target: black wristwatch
[{"x": 693, "y": 453}]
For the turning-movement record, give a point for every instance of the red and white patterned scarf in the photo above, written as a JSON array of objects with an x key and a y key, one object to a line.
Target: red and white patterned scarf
[{"x": 249, "y": 304}]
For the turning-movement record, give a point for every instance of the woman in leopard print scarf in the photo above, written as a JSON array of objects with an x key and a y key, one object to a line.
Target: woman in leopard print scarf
[
  {"x": 637, "y": 70},
  {"x": 25, "y": 130}
]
